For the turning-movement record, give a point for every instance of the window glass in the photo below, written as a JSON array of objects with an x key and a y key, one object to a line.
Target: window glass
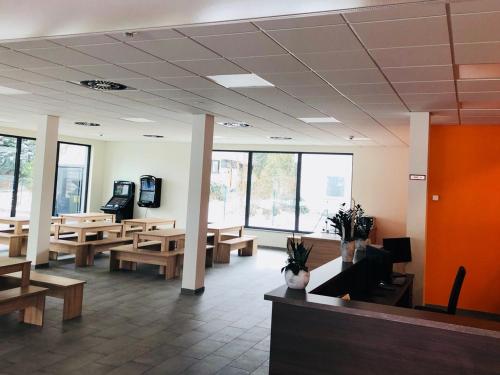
[
  {"x": 8, "y": 149},
  {"x": 71, "y": 178},
  {"x": 273, "y": 190},
  {"x": 325, "y": 184},
  {"x": 25, "y": 184},
  {"x": 228, "y": 186}
]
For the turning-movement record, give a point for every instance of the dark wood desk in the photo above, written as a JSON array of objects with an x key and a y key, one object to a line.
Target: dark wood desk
[{"x": 313, "y": 332}]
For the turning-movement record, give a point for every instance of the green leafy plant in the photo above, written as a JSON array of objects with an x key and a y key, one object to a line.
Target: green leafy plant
[
  {"x": 297, "y": 257},
  {"x": 350, "y": 223},
  {"x": 363, "y": 225}
]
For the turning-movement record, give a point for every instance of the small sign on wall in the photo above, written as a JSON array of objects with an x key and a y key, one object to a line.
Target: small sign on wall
[{"x": 418, "y": 177}]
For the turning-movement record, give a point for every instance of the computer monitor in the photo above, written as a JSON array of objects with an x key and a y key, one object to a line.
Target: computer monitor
[{"x": 399, "y": 248}]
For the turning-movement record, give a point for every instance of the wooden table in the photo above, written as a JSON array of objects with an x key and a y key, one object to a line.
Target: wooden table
[
  {"x": 89, "y": 217},
  {"x": 219, "y": 228},
  {"x": 8, "y": 265},
  {"x": 82, "y": 228},
  {"x": 148, "y": 223},
  {"x": 164, "y": 236},
  {"x": 16, "y": 222}
]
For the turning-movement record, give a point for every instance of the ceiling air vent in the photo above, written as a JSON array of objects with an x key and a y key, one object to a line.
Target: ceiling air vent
[
  {"x": 234, "y": 124},
  {"x": 101, "y": 85},
  {"x": 85, "y": 123},
  {"x": 153, "y": 136},
  {"x": 280, "y": 138}
]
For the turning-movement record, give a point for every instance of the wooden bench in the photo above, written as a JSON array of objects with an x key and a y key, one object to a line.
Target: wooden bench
[
  {"x": 70, "y": 290},
  {"x": 15, "y": 242},
  {"x": 128, "y": 232},
  {"x": 246, "y": 246},
  {"x": 126, "y": 257},
  {"x": 84, "y": 251},
  {"x": 28, "y": 300}
]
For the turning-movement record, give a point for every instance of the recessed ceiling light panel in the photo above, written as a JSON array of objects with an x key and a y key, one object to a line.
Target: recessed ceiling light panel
[
  {"x": 8, "y": 91},
  {"x": 102, "y": 85},
  {"x": 85, "y": 123},
  {"x": 276, "y": 138},
  {"x": 152, "y": 136},
  {"x": 317, "y": 120},
  {"x": 240, "y": 80},
  {"x": 236, "y": 124},
  {"x": 136, "y": 119},
  {"x": 7, "y": 120}
]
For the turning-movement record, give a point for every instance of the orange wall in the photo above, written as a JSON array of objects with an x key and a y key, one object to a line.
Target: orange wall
[{"x": 463, "y": 227}]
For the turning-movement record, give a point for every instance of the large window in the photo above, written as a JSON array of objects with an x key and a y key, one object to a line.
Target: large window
[
  {"x": 279, "y": 190},
  {"x": 228, "y": 187},
  {"x": 72, "y": 176},
  {"x": 16, "y": 176}
]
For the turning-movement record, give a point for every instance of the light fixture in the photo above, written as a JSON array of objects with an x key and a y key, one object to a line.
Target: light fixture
[
  {"x": 356, "y": 139},
  {"x": 130, "y": 34},
  {"x": 276, "y": 138},
  {"x": 152, "y": 136},
  {"x": 478, "y": 71},
  {"x": 102, "y": 85},
  {"x": 8, "y": 91},
  {"x": 314, "y": 120},
  {"x": 236, "y": 124},
  {"x": 7, "y": 120},
  {"x": 136, "y": 119},
  {"x": 85, "y": 123},
  {"x": 240, "y": 80}
]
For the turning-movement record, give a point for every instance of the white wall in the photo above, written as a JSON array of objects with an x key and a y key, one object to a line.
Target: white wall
[
  {"x": 169, "y": 161},
  {"x": 379, "y": 180}
]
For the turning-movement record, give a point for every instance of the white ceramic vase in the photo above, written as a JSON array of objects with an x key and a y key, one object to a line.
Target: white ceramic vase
[
  {"x": 347, "y": 251},
  {"x": 298, "y": 281}
]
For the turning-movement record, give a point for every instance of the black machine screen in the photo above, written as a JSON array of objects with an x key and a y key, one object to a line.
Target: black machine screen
[
  {"x": 121, "y": 190},
  {"x": 147, "y": 184},
  {"x": 147, "y": 196}
]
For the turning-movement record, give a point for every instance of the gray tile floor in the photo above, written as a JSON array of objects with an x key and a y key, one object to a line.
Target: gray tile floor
[{"x": 137, "y": 323}]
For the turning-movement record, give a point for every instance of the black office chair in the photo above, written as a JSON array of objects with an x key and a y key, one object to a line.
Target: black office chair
[{"x": 454, "y": 295}]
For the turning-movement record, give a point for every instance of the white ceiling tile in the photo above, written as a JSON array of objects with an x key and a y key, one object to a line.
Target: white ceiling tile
[
  {"x": 64, "y": 74},
  {"x": 29, "y": 44},
  {"x": 66, "y": 87},
  {"x": 173, "y": 94},
  {"x": 429, "y": 102},
  {"x": 145, "y": 84},
  {"x": 271, "y": 64},
  {"x": 146, "y": 35},
  {"x": 365, "y": 89},
  {"x": 190, "y": 82},
  {"x": 227, "y": 28},
  {"x": 377, "y": 108},
  {"x": 108, "y": 71},
  {"x": 293, "y": 79},
  {"x": 311, "y": 91},
  {"x": 481, "y": 120},
  {"x": 451, "y": 119},
  {"x": 352, "y": 76},
  {"x": 419, "y": 73},
  {"x": 157, "y": 69},
  {"x": 403, "y": 33},
  {"x": 63, "y": 56},
  {"x": 396, "y": 12},
  {"x": 479, "y": 27},
  {"x": 480, "y": 113},
  {"x": 476, "y": 6},
  {"x": 317, "y": 39},
  {"x": 24, "y": 75},
  {"x": 83, "y": 40},
  {"x": 424, "y": 87},
  {"x": 211, "y": 67},
  {"x": 116, "y": 53},
  {"x": 477, "y": 53},
  {"x": 337, "y": 60},
  {"x": 479, "y": 96},
  {"x": 135, "y": 94},
  {"x": 242, "y": 45},
  {"x": 412, "y": 56},
  {"x": 300, "y": 22},
  {"x": 175, "y": 49},
  {"x": 21, "y": 60},
  {"x": 376, "y": 99},
  {"x": 476, "y": 85}
]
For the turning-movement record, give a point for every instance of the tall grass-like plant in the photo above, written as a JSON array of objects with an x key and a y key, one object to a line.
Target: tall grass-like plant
[
  {"x": 350, "y": 223},
  {"x": 297, "y": 257}
]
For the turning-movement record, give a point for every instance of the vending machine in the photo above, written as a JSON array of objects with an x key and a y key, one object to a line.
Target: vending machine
[
  {"x": 122, "y": 202},
  {"x": 150, "y": 194}
]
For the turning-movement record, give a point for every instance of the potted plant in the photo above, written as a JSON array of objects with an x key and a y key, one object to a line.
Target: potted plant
[
  {"x": 362, "y": 229},
  {"x": 344, "y": 225},
  {"x": 296, "y": 271}
]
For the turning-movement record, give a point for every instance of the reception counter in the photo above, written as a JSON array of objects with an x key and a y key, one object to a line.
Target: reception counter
[{"x": 315, "y": 332}]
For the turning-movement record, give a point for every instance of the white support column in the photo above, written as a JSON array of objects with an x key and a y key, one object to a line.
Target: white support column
[
  {"x": 417, "y": 199},
  {"x": 193, "y": 278},
  {"x": 43, "y": 192}
]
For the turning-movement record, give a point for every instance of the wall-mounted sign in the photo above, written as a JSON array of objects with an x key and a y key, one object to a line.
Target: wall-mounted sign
[{"x": 418, "y": 177}]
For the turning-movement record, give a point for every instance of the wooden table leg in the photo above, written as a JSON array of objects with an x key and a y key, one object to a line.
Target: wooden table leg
[
  {"x": 15, "y": 246},
  {"x": 73, "y": 301},
  {"x": 25, "y": 279},
  {"x": 34, "y": 314}
]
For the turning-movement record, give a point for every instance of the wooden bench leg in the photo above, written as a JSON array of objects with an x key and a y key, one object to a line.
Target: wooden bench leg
[
  {"x": 223, "y": 254},
  {"x": 209, "y": 259},
  {"x": 34, "y": 314},
  {"x": 247, "y": 251},
  {"x": 53, "y": 255},
  {"x": 82, "y": 256},
  {"x": 126, "y": 265},
  {"x": 114, "y": 264},
  {"x": 171, "y": 268},
  {"x": 73, "y": 301},
  {"x": 15, "y": 246}
]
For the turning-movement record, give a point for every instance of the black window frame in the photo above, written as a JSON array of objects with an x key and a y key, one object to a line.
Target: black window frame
[
  {"x": 297, "y": 189},
  {"x": 17, "y": 165}
]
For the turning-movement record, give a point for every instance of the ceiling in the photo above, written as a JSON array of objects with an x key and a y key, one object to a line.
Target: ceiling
[{"x": 368, "y": 69}]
